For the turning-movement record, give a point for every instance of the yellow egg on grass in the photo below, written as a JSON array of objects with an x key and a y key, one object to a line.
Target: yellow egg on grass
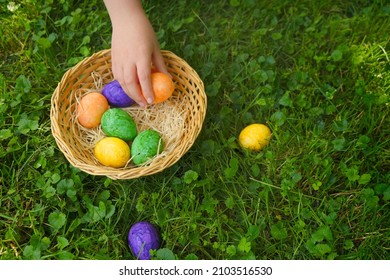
[
  {"x": 254, "y": 137},
  {"x": 112, "y": 151}
]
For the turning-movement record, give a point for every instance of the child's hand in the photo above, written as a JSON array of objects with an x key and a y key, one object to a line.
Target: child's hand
[{"x": 134, "y": 48}]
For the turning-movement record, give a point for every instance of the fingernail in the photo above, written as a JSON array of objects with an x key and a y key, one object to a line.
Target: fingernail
[
  {"x": 141, "y": 104},
  {"x": 150, "y": 100}
]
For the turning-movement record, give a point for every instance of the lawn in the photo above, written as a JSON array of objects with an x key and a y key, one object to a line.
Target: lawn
[{"x": 316, "y": 72}]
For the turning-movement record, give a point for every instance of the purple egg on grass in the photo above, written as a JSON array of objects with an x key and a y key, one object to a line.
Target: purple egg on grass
[
  {"x": 116, "y": 96},
  {"x": 143, "y": 237}
]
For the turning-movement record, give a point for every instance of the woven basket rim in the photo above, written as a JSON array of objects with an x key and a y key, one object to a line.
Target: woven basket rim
[{"x": 183, "y": 72}]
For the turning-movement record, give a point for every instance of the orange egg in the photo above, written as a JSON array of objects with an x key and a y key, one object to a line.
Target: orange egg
[
  {"x": 91, "y": 108},
  {"x": 163, "y": 86}
]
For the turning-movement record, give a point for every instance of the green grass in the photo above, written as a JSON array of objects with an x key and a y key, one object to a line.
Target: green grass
[{"x": 316, "y": 72}]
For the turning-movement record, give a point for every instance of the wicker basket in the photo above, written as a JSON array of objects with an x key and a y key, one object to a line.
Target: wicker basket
[{"x": 189, "y": 90}]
